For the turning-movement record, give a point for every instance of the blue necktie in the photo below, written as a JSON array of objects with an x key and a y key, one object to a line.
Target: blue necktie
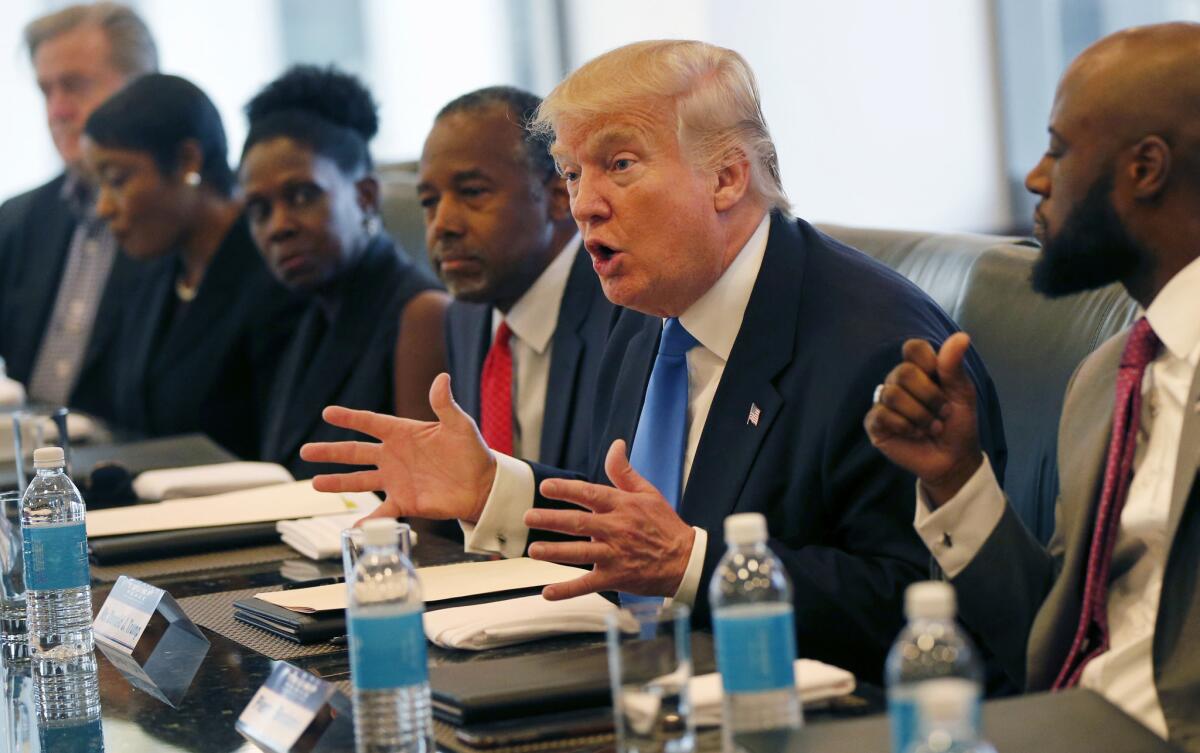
[{"x": 658, "y": 446}]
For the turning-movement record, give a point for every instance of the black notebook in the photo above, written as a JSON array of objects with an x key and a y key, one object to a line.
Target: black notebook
[
  {"x": 486, "y": 691},
  {"x": 294, "y": 626},
  {"x": 133, "y": 547}
]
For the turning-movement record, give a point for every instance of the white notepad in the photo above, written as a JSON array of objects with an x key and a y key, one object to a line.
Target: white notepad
[
  {"x": 439, "y": 583},
  {"x": 265, "y": 504}
]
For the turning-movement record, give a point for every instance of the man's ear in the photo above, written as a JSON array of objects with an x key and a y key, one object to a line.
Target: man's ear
[
  {"x": 367, "y": 192},
  {"x": 732, "y": 182},
  {"x": 557, "y": 198},
  {"x": 1150, "y": 168}
]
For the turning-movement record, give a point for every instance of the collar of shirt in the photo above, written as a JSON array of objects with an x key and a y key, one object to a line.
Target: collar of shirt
[
  {"x": 716, "y": 318},
  {"x": 79, "y": 194},
  {"x": 1175, "y": 314},
  {"x": 534, "y": 316}
]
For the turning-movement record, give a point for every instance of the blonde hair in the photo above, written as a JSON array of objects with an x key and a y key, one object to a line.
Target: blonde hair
[
  {"x": 133, "y": 48},
  {"x": 713, "y": 92}
]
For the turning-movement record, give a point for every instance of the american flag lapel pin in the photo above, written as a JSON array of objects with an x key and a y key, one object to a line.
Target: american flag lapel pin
[{"x": 755, "y": 414}]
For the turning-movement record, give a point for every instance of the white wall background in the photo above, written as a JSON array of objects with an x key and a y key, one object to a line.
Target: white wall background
[{"x": 884, "y": 113}]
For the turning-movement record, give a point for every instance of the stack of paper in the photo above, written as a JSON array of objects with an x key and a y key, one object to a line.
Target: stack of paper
[
  {"x": 439, "y": 583},
  {"x": 504, "y": 623},
  {"x": 204, "y": 480},
  {"x": 815, "y": 681},
  {"x": 263, "y": 505}
]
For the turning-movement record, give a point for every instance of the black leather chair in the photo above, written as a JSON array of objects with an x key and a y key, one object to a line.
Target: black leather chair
[{"x": 1031, "y": 344}]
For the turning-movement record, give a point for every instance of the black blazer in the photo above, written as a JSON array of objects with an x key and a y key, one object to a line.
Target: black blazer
[
  {"x": 35, "y": 236},
  {"x": 823, "y": 326},
  {"x": 353, "y": 362},
  {"x": 209, "y": 366},
  {"x": 576, "y": 347}
]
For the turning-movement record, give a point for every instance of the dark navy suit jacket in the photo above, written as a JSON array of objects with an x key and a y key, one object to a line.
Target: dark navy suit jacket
[
  {"x": 823, "y": 326},
  {"x": 353, "y": 362},
  {"x": 576, "y": 348},
  {"x": 35, "y": 236},
  {"x": 208, "y": 366}
]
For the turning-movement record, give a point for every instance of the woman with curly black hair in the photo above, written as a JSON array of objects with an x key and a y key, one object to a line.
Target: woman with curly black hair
[
  {"x": 313, "y": 204},
  {"x": 205, "y": 328}
]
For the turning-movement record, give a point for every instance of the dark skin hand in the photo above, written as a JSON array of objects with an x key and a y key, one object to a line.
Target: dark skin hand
[{"x": 925, "y": 420}]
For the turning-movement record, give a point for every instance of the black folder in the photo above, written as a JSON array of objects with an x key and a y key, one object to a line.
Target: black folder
[
  {"x": 133, "y": 547},
  {"x": 492, "y": 690},
  {"x": 293, "y": 626}
]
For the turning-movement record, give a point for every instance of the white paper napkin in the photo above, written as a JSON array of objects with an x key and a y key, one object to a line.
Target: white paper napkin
[
  {"x": 203, "y": 480},
  {"x": 320, "y": 538},
  {"x": 504, "y": 623},
  {"x": 12, "y": 393},
  {"x": 816, "y": 681}
]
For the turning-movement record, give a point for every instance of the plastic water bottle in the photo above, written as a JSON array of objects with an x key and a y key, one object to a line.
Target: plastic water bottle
[
  {"x": 930, "y": 648},
  {"x": 58, "y": 594},
  {"x": 755, "y": 634},
  {"x": 388, "y": 664},
  {"x": 947, "y": 709}
]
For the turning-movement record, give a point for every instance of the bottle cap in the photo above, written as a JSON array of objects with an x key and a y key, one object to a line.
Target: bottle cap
[
  {"x": 48, "y": 457},
  {"x": 930, "y": 600},
  {"x": 746, "y": 528},
  {"x": 379, "y": 532}
]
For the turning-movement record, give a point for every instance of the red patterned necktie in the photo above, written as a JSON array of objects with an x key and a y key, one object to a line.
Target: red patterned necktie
[
  {"x": 496, "y": 393},
  {"x": 1091, "y": 636}
]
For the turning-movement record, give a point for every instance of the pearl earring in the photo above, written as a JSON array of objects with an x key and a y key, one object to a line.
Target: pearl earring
[{"x": 192, "y": 179}]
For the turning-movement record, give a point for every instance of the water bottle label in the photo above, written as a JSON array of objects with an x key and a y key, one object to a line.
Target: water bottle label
[
  {"x": 387, "y": 649},
  {"x": 902, "y": 713},
  {"x": 56, "y": 556},
  {"x": 756, "y": 649}
]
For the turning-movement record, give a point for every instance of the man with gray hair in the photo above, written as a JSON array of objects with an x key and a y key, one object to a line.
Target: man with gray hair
[
  {"x": 61, "y": 278},
  {"x": 748, "y": 346}
]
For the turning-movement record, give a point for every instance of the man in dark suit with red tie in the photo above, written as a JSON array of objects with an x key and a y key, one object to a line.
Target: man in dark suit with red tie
[
  {"x": 1113, "y": 603},
  {"x": 734, "y": 378},
  {"x": 527, "y": 327}
]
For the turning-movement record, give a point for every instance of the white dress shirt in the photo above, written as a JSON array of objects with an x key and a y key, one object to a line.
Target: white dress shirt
[
  {"x": 714, "y": 320},
  {"x": 1125, "y": 673},
  {"x": 532, "y": 320}
]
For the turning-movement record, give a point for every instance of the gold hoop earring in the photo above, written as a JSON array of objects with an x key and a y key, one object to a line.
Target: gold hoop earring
[{"x": 192, "y": 179}]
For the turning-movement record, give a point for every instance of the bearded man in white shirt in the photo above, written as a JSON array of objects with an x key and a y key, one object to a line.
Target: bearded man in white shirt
[{"x": 1113, "y": 603}]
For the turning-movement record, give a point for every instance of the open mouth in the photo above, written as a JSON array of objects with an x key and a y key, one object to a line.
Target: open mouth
[{"x": 600, "y": 251}]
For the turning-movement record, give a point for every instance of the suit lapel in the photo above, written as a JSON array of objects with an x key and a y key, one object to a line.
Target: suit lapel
[
  {"x": 160, "y": 281},
  {"x": 565, "y": 353},
  {"x": 764, "y": 346},
  {"x": 361, "y": 297},
  {"x": 636, "y": 363},
  {"x": 290, "y": 372},
  {"x": 51, "y": 234},
  {"x": 479, "y": 339}
]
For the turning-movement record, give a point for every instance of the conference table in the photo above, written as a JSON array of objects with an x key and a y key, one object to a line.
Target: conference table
[{"x": 232, "y": 671}]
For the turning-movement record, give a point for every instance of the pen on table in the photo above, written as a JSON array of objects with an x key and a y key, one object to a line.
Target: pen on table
[{"x": 341, "y": 640}]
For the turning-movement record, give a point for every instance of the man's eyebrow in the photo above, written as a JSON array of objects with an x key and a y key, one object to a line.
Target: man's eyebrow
[
  {"x": 604, "y": 140},
  {"x": 473, "y": 174}
]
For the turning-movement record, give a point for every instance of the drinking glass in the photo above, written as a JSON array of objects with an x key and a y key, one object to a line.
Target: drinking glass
[
  {"x": 649, "y": 665},
  {"x": 12, "y": 579}
]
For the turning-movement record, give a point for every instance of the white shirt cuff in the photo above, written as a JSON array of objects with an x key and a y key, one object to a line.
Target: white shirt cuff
[
  {"x": 501, "y": 528},
  {"x": 686, "y": 593},
  {"x": 956, "y": 531}
]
